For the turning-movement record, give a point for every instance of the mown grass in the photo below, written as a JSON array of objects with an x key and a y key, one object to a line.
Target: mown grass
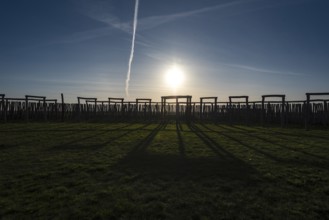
[{"x": 162, "y": 170}]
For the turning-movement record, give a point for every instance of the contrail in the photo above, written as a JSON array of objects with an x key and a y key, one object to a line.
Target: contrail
[{"x": 132, "y": 48}]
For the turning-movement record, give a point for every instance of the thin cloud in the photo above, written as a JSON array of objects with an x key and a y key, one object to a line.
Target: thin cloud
[
  {"x": 154, "y": 21},
  {"x": 114, "y": 22},
  {"x": 267, "y": 71},
  {"x": 101, "y": 12}
]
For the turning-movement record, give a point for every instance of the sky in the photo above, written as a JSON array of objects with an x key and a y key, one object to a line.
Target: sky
[{"x": 223, "y": 47}]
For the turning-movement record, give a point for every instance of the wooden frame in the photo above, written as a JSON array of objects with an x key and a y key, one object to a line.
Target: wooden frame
[
  {"x": 114, "y": 100},
  {"x": 4, "y": 107},
  {"x": 245, "y": 97},
  {"x": 87, "y": 99},
  {"x": 188, "y": 104},
  {"x": 201, "y": 103},
  {"x": 143, "y": 100},
  {"x": 283, "y": 102},
  {"x": 35, "y": 98},
  {"x": 308, "y": 110}
]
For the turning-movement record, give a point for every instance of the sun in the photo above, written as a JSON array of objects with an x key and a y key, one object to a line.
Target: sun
[{"x": 174, "y": 77}]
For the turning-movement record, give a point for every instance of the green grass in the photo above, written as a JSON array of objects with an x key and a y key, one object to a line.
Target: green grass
[{"x": 161, "y": 171}]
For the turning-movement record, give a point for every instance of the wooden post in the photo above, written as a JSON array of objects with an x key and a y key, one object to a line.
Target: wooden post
[
  {"x": 4, "y": 107},
  {"x": 215, "y": 105},
  {"x": 79, "y": 111},
  {"x": 247, "y": 110},
  {"x": 307, "y": 111},
  {"x": 95, "y": 111},
  {"x": 56, "y": 109},
  {"x": 44, "y": 109},
  {"x": 162, "y": 106},
  {"x": 230, "y": 110},
  {"x": 177, "y": 109},
  {"x": 137, "y": 107},
  {"x": 263, "y": 111},
  {"x": 5, "y": 110},
  {"x": 63, "y": 107},
  {"x": 122, "y": 109},
  {"x": 325, "y": 112},
  {"x": 26, "y": 108},
  {"x": 283, "y": 111},
  {"x": 193, "y": 109},
  {"x": 189, "y": 108},
  {"x": 201, "y": 109}
]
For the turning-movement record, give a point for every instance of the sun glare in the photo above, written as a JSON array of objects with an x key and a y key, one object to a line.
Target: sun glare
[{"x": 174, "y": 77}]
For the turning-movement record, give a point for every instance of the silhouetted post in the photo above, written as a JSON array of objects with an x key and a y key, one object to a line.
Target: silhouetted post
[
  {"x": 325, "y": 112},
  {"x": 230, "y": 110},
  {"x": 177, "y": 109},
  {"x": 44, "y": 109},
  {"x": 263, "y": 111},
  {"x": 189, "y": 108},
  {"x": 201, "y": 109},
  {"x": 63, "y": 107},
  {"x": 193, "y": 109},
  {"x": 215, "y": 105},
  {"x": 26, "y": 108},
  {"x": 163, "y": 103},
  {"x": 101, "y": 107},
  {"x": 5, "y": 110},
  {"x": 247, "y": 110},
  {"x": 307, "y": 111},
  {"x": 122, "y": 109},
  {"x": 79, "y": 110},
  {"x": 283, "y": 111},
  {"x": 137, "y": 103},
  {"x": 95, "y": 110},
  {"x": 4, "y": 107}
]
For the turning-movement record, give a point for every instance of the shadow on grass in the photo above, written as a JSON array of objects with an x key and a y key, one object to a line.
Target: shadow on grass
[
  {"x": 224, "y": 166},
  {"x": 173, "y": 166},
  {"x": 63, "y": 134},
  {"x": 77, "y": 144},
  {"x": 244, "y": 132},
  {"x": 181, "y": 144},
  {"x": 209, "y": 142},
  {"x": 276, "y": 158},
  {"x": 144, "y": 143}
]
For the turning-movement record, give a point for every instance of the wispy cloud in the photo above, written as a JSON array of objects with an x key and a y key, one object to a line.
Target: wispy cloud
[
  {"x": 102, "y": 12},
  {"x": 154, "y": 21},
  {"x": 266, "y": 71}
]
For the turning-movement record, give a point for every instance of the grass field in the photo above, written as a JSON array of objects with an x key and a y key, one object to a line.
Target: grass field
[{"x": 161, "y": 171}]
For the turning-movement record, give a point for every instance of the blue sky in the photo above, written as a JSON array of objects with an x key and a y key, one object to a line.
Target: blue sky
[{"x": 82, "y": 47}]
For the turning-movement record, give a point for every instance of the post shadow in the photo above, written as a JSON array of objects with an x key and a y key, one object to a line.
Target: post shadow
[
  {"x": 144, "y": 143},
  {"x": 270, "y": 156},
  {"x": 210, "y": 143},
  {"x": 71, "y": 144},
  {"x": 314, "y": 163},
  {"x": 181, "y": 145},
  {"x": 278, "y": 144}
]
